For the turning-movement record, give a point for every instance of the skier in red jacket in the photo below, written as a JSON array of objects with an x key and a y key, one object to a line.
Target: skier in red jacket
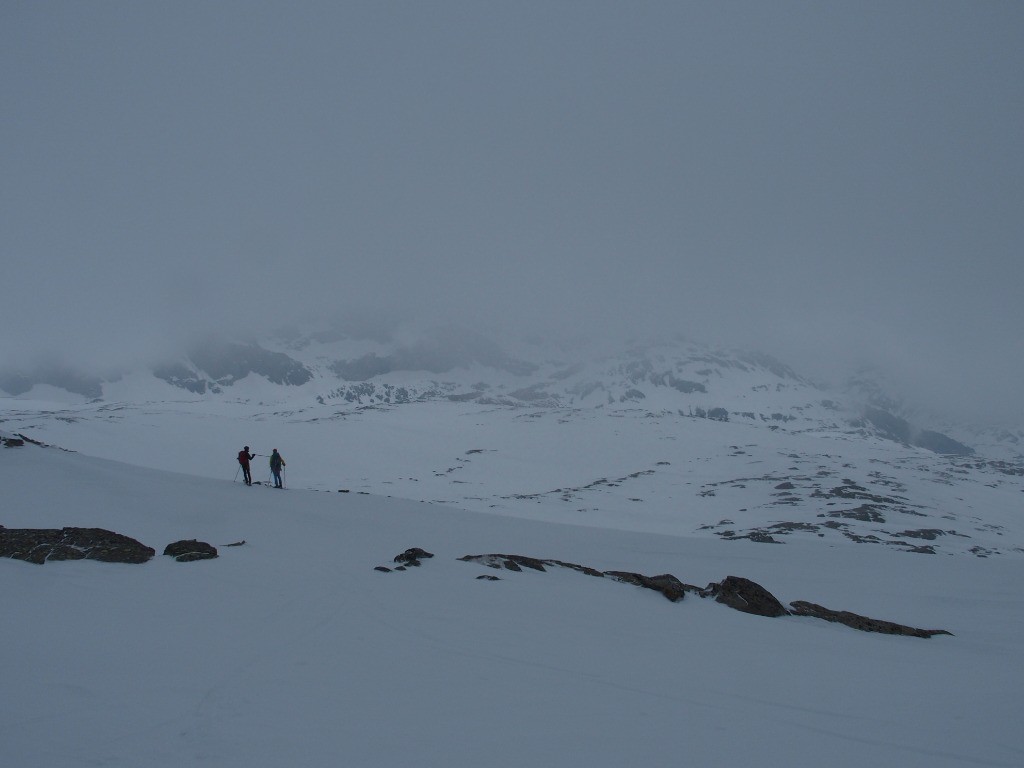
[{"x": 244, "y": 457}]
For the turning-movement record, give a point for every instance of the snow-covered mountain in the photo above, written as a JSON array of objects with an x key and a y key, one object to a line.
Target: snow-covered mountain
[
  {"x": 671, "y": 437},
  {"x": 657, "y": 464}
]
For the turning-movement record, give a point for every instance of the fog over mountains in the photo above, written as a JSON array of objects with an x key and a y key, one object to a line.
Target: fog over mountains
[
  {"x": 413, "y": 363},
  {"x": 838, "y": 186}
]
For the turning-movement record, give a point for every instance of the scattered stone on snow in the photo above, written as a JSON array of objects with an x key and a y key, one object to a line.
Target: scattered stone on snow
[
  {"x": 190, "y": 550},
  {"x": 411, "y": 557}
]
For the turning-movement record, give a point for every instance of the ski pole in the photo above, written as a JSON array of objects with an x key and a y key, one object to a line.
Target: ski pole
[{"x": 236, "y": 473}]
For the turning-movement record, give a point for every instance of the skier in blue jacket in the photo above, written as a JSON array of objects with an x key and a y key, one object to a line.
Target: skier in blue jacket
[{"x": 276, "y": 462}]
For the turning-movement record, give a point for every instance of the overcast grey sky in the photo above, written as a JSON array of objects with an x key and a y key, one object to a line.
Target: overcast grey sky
[{"x": 818, "y": 178}]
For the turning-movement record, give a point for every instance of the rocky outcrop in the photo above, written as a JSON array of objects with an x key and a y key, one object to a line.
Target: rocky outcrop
[
  {"x": 863, "y": 623},
  {"x": 666, "y": 584},
  {"x": 900, "y": 430},
  {"x": 189, "y": 550},
  {"x": 733, "y": 591},
  {"x": 19, "y": 382},
  {"x": 41, "y": 545},
  {"x": 412, "y": 556},
  {"x": 215, "y": 365},
  {"x": 518, "y": 562}
]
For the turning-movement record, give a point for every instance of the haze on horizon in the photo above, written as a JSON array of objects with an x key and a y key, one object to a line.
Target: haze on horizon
[{"x": 837, "y": 184}]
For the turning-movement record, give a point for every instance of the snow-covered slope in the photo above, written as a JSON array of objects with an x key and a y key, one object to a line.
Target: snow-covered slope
[
  {"x": 293, "y": 650},
  {"x": 673, "y": 438}
]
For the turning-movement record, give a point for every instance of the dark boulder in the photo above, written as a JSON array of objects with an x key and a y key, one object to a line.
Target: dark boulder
[
  {"x": 189, "y": 550},
  {"x": 745, "y": 595},
  {"x": 39, "y": 545}
]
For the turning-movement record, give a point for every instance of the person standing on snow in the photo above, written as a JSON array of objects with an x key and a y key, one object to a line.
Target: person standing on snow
[
  {"x": 276, "y": 462},
  {"x": 244, "y": 457}
]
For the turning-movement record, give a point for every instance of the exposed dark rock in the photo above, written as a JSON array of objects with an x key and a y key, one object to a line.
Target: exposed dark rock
[
  {"x": 745, "y": 595},
  {"x": 736, "y": 592},
  {"x": 437, "y": 355},
  {"x": 889, "y": 426},
  {"x": 863, "y": 623},
  {"x": 718, "y": 414},
  {"x": 509, "y": 562},
  {"x": 363, "y": 368},
  {"x": 940, "y": 443},
  {"x": 854, "y": 492},
  {"x": 767, "y": 535},
  {"x": 464, "y": 397},
  {"x": 921, "y": 549},
  {"x": 20, "y": 382},
  {"x": 770, "y": 364},
  {"x": 40, "y": 443},
  {"x": 929, "y": 534},
  {"x": 573, "y": 566},
  {"x": 533, "y": 394},
  {"x": 190, "y": 550},
  {"x": 866, "y": 513},
  {"x": 412, "y": 556},
  {"x": 684, "y": 386},
  {"x": 180, "y": 375},
  {"x": 382, "y": 569},
  {"x": 666, "y": 584},
  {"x": 13, "y": 442},
  {"x": 894, "y": 428},
  {"x": 227, "y": 363},
  {"x": 39, "y": 545},
  {"x": 220, "y": 364},
  {"x": 792, "y": 527},
  {"x": 488, "y": 577}
]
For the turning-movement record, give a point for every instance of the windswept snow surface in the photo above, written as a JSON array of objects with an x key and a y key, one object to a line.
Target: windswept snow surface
[{"x": 293, "y": 650}]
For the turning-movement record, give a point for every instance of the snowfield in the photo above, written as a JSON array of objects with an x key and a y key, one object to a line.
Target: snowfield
[{"x": 293, "y": 650}]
